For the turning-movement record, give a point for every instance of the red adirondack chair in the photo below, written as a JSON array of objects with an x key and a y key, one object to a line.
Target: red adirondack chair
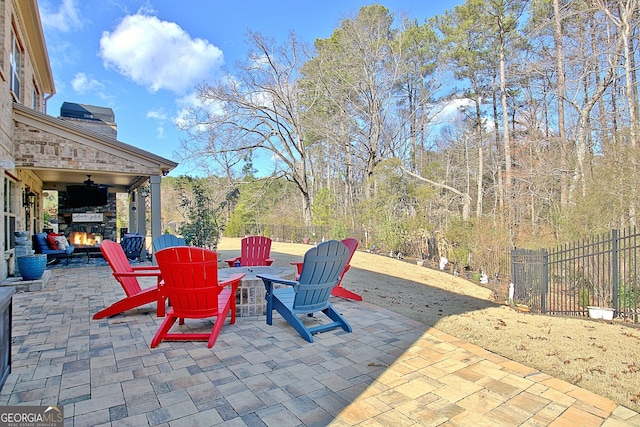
[
  {"x": 339, "y": 291},
  {"x": 127, "y": 276},
  {"x": 254, "y": 250},
  {"x": 190, "y": 282}
]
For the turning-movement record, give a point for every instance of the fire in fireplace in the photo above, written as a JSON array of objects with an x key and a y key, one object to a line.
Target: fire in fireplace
[{"x": 82, "y": 238}]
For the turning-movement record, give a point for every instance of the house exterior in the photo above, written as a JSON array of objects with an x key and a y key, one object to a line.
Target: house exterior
[{"x": 40, "y": 152}]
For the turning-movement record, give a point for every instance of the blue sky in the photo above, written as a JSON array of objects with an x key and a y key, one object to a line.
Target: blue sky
[{"x": 143, "y": 59}]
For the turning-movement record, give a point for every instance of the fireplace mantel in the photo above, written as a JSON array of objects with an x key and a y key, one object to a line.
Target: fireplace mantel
[{"x": 87, "y": 217}]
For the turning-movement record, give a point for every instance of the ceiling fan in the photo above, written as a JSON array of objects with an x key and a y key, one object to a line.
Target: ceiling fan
[{"x": 89, "y": 182}]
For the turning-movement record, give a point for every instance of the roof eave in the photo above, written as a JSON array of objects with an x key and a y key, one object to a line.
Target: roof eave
[{"x": 30, "y": 16}]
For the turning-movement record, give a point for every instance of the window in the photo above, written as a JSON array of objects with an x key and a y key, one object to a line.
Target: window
[
  {"x": 10, "y": 209},
  {"x": 36, "y": 102},
  {"x": 15, "y": 65}
]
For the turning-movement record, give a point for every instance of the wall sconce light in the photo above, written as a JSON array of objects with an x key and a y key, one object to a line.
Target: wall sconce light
[{"x": 29, "y": 199}]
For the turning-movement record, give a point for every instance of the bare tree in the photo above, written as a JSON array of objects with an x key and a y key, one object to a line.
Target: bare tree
[
  {"x": 355, "y": 73},
  {"x": 560, "y": 87},
  {"x": 257, "y": 108},
  {"x": 467, "y": 53}
]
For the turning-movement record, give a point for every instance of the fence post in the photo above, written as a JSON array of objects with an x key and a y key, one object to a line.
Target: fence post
[
  {"x": 545, "y": 281},
  {"x": 614, "y": 267}
]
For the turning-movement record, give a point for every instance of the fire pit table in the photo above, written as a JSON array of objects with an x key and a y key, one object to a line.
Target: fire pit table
[{"x": 250, "y": 295}]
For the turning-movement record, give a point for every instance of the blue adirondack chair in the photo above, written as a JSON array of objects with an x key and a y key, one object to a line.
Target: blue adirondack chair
[
  {"x": 167, "y": 241},
  {"x": 321, "y": 270}
]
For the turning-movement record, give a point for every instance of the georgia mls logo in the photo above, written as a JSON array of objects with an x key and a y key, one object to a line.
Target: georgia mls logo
[{"x": 31, "y": 416}]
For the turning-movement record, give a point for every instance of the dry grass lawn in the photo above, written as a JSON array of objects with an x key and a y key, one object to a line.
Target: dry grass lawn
[{"x": 596, "y": 355}]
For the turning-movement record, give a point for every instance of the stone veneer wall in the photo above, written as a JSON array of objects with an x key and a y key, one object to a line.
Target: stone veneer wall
[
  {"x": 37, "y": 148},
  {"x": 105, "y": 129},
  {"x": 66, "y": 226}
]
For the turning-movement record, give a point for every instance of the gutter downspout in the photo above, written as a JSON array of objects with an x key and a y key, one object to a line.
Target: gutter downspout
[{"x": 46, "y": 98}]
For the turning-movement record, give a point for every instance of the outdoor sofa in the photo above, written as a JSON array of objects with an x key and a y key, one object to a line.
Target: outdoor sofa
[{"x": 42, "y": 246}]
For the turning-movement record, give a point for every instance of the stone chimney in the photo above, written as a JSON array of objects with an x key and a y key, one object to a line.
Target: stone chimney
[{"x": 96, "y": 119}]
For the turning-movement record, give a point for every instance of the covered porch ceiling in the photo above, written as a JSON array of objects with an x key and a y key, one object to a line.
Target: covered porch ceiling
[{"x": 58, "y": 179}]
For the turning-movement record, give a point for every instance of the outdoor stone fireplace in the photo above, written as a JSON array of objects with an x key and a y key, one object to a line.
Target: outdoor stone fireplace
[{"x": 87, "y": 226}]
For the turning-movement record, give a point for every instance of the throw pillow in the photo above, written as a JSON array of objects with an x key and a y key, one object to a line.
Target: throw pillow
[
  {"x": 51, "y": 241},
  {"x": 62, "y": 242}
]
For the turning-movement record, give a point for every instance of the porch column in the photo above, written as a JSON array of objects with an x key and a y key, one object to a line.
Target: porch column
[
  {"x": 156, "y": 207},
  {"x": 133, "y": 208},
  {"x": 137, "y": 217},
  {"x": 141, "y": 214}
]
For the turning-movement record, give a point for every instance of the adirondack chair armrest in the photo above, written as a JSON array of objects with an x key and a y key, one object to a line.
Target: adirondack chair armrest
[
  {"x": 269, "y": 261},
  {"x": 154, "y": 273},
  {"x": 270, "y": 280},
  {"x": 231, "y": 261},
  {"x": 233, "y": 280},
  {"x": 298, "y": 265},
  {"x": 145, "y": 267}
]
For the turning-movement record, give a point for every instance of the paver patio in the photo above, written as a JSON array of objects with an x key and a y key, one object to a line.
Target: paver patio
[{"x": 389, "y": 371}]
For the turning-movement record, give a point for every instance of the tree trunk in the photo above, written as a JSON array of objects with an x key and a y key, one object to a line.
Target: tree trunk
[
  {"x": 562, "y": 138},
  {"x": 479, "y": 139},
  {"x": 500, "y": 191},
  {"x": 506, "y": 144}
]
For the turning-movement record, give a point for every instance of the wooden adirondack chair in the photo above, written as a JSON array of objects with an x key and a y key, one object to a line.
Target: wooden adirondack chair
[
  {"x": 190, "y": 281},
  {"x": 339, "y": 291},
  {"x": 127, "y": 276},
  {"x": 167, "y": 241},
  {"x": 321, "y": 271},
  {"x": 254, "y": 250}
]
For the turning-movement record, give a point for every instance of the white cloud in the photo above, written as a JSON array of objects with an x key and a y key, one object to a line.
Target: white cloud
[
  {"x": 156, "y": 115},
  {"x": 190, "y": 103},
  {"x": 449, "y": 110},
  {"x": 65, "y": 18},
  {"x": 160, "y": 131},
  {"x": 158, "y": 54},
  {"x": 159, "y": 116},
  {"x": 81, "y": 83}
]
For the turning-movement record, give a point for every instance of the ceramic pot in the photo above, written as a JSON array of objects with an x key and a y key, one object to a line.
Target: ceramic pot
[
  {"x": 22, "y": 238},
  {"x": 32, "y": 266},
  {"x": 601, "y": 313}
]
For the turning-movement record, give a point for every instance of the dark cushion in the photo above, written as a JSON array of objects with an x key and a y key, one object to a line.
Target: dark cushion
[
  {"x": 132, "y": 245},
  {"x": 40, "y": 240}
]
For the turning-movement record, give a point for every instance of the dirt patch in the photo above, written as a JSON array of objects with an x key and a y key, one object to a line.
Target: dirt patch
[{"x": 599, "y": 356}]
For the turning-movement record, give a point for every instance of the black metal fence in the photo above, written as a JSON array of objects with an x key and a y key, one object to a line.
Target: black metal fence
[{"x": 600, "y": 271}]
